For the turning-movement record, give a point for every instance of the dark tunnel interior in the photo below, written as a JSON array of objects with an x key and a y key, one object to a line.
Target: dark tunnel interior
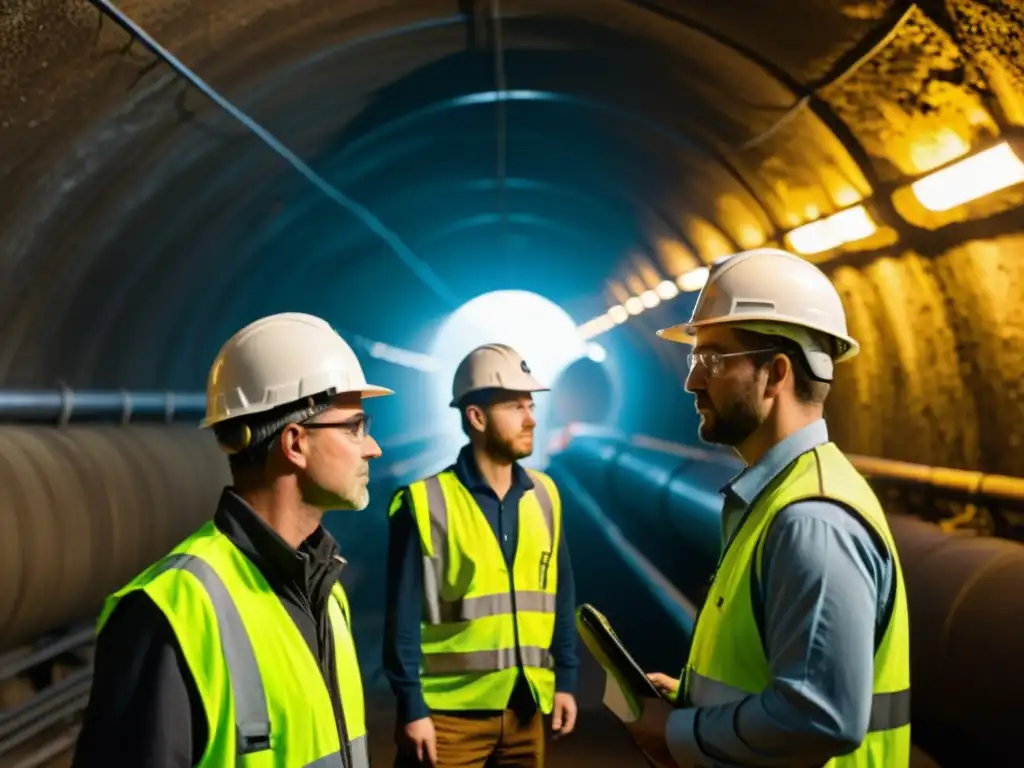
[{"x": 383, "y": 164}]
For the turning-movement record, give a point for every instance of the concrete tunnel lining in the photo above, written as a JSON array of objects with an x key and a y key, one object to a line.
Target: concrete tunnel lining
[
  {"x": 146, "y": 263},
  {"x": 101, "y": 297},
  {"x": 213, "y": 47}
]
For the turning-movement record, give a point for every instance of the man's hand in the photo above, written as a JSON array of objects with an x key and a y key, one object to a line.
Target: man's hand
[
  {"x": 649, "y": 731},
  {"x": 667, "y": 686},
  {"x": 563, "y": 716},
  {"x": 418, "y": 738}
]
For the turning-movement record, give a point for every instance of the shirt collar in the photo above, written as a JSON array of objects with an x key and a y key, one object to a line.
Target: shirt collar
[
  {"x": 469, "y": 475},
  {"x": 279, "y": 563},
  {"x": 749, "y": 483}
]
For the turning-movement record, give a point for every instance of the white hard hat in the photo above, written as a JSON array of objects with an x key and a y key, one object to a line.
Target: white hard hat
[
  {"x": 773, "y": 292},
  {"x": 493, "y": 366},
  {"x": 281, "y": 359}
]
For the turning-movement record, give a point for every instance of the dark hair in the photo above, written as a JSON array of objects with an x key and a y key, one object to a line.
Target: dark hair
[
  {"x": 248, "y": 440},
  {"x": 808, "y": 389},
  {"x": 481, "y": 398}
]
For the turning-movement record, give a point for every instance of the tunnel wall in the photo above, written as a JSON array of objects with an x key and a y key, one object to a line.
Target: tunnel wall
[{"x": 938, "y": 379}]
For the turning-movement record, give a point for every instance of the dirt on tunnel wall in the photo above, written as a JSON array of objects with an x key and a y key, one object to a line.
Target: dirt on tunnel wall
[{"x": 939, "y": 377}]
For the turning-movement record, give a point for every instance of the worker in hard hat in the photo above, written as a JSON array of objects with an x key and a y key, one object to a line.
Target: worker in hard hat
[
  {"x": 800, "y": 654},
  {"x": 479, "y": 633},
  {"x": 236, "y": 646}
]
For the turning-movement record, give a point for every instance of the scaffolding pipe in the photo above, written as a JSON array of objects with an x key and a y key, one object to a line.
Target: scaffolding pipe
[
  {"x": 65, "y": 405},
  {"x": 959, "y": 484}
]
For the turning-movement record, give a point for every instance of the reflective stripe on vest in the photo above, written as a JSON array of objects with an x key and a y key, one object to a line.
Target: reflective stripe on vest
[
  {"x": 257, "y": 687},
  {"x": 484, "y": 617},
  {"x": 441, "y": 612},
  {"x": 252, "y": 723},
  {"x": 888, "y": 710},
  {"x": 728, "y": 658}
]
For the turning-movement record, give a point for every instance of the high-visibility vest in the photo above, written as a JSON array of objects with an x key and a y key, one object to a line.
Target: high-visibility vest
[
  {"x": 727, "y": 659},
  {"x": 265, "y": 699},
  {"x": 475, "y": 610}
]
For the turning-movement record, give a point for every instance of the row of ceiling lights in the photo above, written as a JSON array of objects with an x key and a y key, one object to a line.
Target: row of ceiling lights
[{"x": 957, "y": 183}]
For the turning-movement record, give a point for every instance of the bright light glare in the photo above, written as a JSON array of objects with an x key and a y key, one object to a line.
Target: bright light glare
[
  {"x": 824, "y": 235},
  {"x": 693, "y": 280},
  {"x": 618, "y": 314},
  {"x": 596, "y": 352},
  {"x": 634, "y": 306},
  {"x": 970, "y": 178},
  {"x": 650, "y": 299},
  {"x": 541, "y": 331},
  {"x": 667, "y": 289}
]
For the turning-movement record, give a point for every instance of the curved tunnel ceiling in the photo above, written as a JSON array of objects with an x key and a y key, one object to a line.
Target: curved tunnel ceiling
[{"x": 141, "y": 225}]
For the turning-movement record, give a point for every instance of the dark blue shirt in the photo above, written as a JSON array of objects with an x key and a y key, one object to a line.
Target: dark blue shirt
[{"x": 404, "y": 613}]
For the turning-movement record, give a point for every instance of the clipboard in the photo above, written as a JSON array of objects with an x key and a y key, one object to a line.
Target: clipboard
[{"x": 611, "y": 654}]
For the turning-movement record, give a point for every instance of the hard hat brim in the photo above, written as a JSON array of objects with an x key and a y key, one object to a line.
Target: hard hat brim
[
  {"x": 521, "y": 387},
  {"x": 366, "y": 391},
  {"x": 685, "y": 333}
]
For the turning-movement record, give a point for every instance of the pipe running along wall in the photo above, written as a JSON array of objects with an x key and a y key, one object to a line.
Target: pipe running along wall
[
  {"x": 965, "y": 597},
  {"x": 86, "y": 508}
]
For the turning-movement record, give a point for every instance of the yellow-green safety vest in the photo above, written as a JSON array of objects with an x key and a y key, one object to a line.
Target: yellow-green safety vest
[
  {"x": 727, "y": 659},
  {"x": 265, "y": 699},
  {"x": 474, "y": 607}
]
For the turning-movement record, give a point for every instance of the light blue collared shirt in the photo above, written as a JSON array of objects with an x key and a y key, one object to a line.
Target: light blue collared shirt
[{"x": 824, "y": 590}]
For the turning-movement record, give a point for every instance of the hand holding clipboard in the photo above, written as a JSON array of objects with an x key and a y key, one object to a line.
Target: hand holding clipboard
[{"x": 627, "y": 687}]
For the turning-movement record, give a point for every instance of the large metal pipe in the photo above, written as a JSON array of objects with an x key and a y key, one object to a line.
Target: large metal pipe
[
  {"x": 85, "y": 508},
  {"x": 65, "y": 405},
  {"x": 966, "y": 599},
  {"x": 966, "y": 595},
  {"x": 668, "y": 505}
]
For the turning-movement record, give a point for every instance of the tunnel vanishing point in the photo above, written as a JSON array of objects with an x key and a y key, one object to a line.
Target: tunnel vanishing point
[
  {"x": 171, "y": 174},
  {"x": 636, "y": 141}
]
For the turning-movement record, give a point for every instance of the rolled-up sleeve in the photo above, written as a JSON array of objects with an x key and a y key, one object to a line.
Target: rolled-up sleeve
[{"x": 825, "y": 581}]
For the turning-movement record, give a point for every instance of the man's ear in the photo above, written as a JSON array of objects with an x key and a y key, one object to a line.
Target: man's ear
[
  {"x": 779, "y": 369},
  {"x": 476, "y": 417},
  {"x": 292, "y": 442}
]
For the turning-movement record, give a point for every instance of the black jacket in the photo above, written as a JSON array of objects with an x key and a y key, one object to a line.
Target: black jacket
[{"x": 144, "y": 709}]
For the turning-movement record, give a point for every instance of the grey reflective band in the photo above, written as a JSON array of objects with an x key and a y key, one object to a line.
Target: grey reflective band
[
  {"x": 252, "y": 723},
  {"x": 360, "y": 753},
  {"x": 438, "y": 612},
  {"x": 332, "y": 760},
  {"x": 888, "y": 710},
  {"x": 469, "y": 608},
  {"x": 360, "y": 757},
  {"x": 546, "y": 506},
  {"x": 485, "y": 661}
]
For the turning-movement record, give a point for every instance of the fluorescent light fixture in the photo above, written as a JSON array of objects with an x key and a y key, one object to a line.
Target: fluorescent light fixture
[
  {"x": 596, "y": 352},
  {"x": 667, "y": 289},
  {"x": 650, "y": 299},
  {"x": 965, "y": 180},
  {"x": 694, "y": 280},
  {"x": 838, "y": 229},
  {"x": 618, "y": 314}
]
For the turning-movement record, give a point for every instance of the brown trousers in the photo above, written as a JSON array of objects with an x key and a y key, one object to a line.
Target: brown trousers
[{"x": 479, "y": 740}]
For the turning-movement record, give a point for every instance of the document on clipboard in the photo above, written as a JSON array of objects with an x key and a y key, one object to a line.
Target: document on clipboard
[{"x": 627, "y": 684}]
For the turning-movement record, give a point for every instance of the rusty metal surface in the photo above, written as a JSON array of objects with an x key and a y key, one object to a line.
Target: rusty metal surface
[{"x": 86, "y": 508}]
